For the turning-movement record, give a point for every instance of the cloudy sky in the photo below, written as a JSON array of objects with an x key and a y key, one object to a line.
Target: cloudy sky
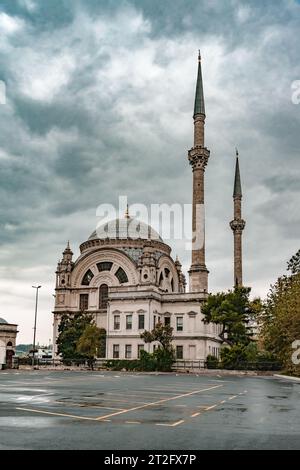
[{"x": 99, "y": 101}]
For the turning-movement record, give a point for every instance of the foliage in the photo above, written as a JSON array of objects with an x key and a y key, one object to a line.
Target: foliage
[
  {"x": 160, "y": 360},
  {"x": 280, "y": 318},
  {"x": 212, "y": 362},
  {"x": 293, "y": 264},
  {"x": 162, "y": 334},
  {"x": 91, "y": 343},
  {"x": 70, "y": 330},
  {"x": 163, "y": 357},
  {"x": 232, "y": 356},
  {"x": 120, "y": 364},
  {"x": 233, "y": 310}
]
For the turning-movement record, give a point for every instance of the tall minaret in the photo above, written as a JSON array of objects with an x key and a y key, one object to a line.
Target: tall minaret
[
  {"x": 198, "y": 158},
  {"x": 237, "y": 226}
]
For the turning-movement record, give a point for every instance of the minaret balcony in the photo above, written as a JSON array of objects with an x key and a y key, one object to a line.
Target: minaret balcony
[
  {"x": 198, "y": 157},
  {"x": 237, "y": 225}
]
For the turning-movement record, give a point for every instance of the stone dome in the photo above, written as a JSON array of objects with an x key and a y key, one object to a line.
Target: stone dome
[
  {"x": 3, "y": 322},
  {"x": 126, "y": 228}
]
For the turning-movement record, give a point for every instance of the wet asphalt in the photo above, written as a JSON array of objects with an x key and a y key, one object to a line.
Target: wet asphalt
[{"x": 123, "y": 411}]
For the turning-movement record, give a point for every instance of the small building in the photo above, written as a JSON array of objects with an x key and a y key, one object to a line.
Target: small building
[{"x": 8, "y": 334}]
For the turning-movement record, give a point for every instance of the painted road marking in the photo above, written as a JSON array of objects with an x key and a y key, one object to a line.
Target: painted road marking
[
  {"x": 132, "y": 422},
  {"x": 90, "y": 405},
  {"x": 223, "y": 401},
  {"x": 195, "y": 414},
  {"x": 32, "y": 410},
  {"x": 171, "y": 425},
  {"x": 231, "y": 398},
  {"x": 164, "y": 400},
  {"x": 211, "y": 407}
]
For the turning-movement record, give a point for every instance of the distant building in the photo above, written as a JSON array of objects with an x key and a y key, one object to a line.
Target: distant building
[{"x": 8, "y": 334}]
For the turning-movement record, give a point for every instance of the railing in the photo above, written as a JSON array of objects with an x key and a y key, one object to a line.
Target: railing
[
  {"x": 193, "y": 365},
  {"x": 82, "y": 363}
]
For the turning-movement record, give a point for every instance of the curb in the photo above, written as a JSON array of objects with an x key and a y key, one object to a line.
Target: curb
[{"x": 287, "y": 377}]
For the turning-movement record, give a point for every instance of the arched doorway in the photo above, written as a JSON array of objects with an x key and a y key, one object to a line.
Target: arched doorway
[
  {"x": 103, "y": 296},
  {"x": 9, "y": 355}
]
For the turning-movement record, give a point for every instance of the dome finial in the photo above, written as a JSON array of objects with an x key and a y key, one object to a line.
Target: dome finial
[
  {"x": 127, "y": 216},
  {"x": 199, "y": 56}
]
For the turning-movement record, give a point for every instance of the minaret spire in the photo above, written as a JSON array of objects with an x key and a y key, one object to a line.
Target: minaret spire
[
  {"x": 199, "y": 107},
  {"x": 237, "y": 190},
  {"x": 237, "y": 225},
  {"x": 198, "y": 158}
]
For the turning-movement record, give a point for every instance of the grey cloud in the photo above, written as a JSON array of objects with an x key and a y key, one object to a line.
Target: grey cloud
[{"x": 120, "y": 122}]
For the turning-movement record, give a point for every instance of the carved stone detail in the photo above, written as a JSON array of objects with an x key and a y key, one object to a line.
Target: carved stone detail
[
  {"x": 198, "y": 157},
  {"x": 237, "y": 225}
]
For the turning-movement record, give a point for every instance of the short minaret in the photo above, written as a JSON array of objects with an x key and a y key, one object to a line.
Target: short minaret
[
  {"x": 237, "y": 226},
  {"x": 198, "y": 158}
]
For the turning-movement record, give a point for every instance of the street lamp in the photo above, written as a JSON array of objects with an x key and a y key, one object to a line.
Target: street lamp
[{"x": 34, "y": 329}]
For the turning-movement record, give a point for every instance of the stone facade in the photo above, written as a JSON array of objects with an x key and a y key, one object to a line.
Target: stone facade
[
  {"x": 8, "y": 334},
  {"x": 144, "y": 286}
]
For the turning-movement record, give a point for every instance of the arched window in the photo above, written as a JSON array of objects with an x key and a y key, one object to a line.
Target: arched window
[
  {"x": 103, "y": 296},
  {"x": 9, "y": 344},
  {"x": 87, "y": 278},
  {"x": 104, "y": 266},
  {"x": 121, "y": 275}
]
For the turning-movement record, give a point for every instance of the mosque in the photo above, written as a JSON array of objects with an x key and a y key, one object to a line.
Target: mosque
[{"x": 129, "y": 281}]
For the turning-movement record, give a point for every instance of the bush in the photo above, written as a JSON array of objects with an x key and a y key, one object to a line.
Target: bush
[
  {"x": 212, "y": 362},
  {"x": 163, "y": 359},
  {"x": 160, "y": 360},
  {"x": 119, "y": 364}
]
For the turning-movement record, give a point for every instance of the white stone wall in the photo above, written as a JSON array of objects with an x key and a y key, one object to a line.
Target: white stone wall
[
  {"x": 8, "y": 334},
  {"x": 2, "y": 352},
  {"x": 197, "y": 338}
]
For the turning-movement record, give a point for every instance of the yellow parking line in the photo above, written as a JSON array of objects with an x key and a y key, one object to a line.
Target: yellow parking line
[
  {"x": 164, "y": 400},
  {"x": 195, "y": 414},
  {"x": 132, "y": 422}
]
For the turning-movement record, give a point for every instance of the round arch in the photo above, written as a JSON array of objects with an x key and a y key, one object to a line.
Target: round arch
[
  {"x": 167, "y": 275},
  {"x": 118, "y": 260}
]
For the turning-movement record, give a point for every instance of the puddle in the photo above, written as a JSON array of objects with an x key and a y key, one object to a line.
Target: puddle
[
  {"x": 242, "y": 410},
  {"x": 275, "y": 397}
]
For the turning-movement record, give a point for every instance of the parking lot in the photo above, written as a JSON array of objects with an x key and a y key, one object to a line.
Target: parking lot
[{"x": 111, "y": 410}]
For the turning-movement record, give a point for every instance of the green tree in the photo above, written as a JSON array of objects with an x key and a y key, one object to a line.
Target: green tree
[
  {"x": 70, "y": 329},
  {"x": 233, "y": 310},
  {"x": 293, "y": 264},
  {"x": 162, "y": 334},
  {"x": 280, "y": 317},
  {"x": 92, "y": 343},
  {"x": 163, "y": 357}
]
